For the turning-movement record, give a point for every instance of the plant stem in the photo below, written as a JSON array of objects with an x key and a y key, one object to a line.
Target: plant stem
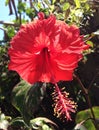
[
  {"x": 86, "y": 93},
  {"x": 92, "y": 81}
]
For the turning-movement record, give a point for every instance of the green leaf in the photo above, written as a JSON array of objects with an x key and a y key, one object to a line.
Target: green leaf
[
  {"x": 18, "y": 95},
  {"x": 77, "y": 2},
  {"x": 96, "y": 33},
  {"x": 42, "y": 123},
  {"x": 10, "y": 30},
  {"x": 87, "y": 7},
  {"x": 3, "y": 122},
  {"x": 53, "y": 1},
  {"x": 90, "y": 43},
  {"x": 51, "y": 8},
  {"x": 60, "y": 16},
  {"x": 18, "y": 122},
  {"x": 27, "y": 98},
  {"x": 6, "y": 2},
  {"x": 84, "y": 1},
  {"x": 38, "y": 5},
  {"x": 47, "y": 2},
  {"x": 79, "y": 127},
  {"x": 30, "y": 12},
  {"x": 85, "y": 115},
  {"x": 65, "y": 6},
  {"x": 21, "y": 7},
  {"x": 33, "y": 99}
]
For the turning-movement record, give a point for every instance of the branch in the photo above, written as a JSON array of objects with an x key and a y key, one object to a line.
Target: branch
[
  {"x": 14, "y": 6},
  {"x": 81, "y": 84},
  {"x": 10, "y": 7},
  {"x": 9, "y": 23},
  {"x": 92, "y": 81},
  {"x": 2, "y": 29}
]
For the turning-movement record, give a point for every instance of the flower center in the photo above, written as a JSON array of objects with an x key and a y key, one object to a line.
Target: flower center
[
  {"x": 46, "y": 56},
  {"x": 47, "y": 63},
  {"x": 45, "y": 50}
]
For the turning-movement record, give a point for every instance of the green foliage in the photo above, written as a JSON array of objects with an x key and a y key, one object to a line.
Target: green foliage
[
  {"x": 5, "y": 76},
  {"x": 18, "y": 94},
  {"x": 6, "y": 2},
  {"x": 21, "y": 7},
  {"x": 90, "y": 43},
  {"x": 30, "y": 13},
  {"x": 42, "y": 123},
  {"x": 85, "y": 115},
  {"x": 70, "y": 11},
  {"x": 79, "y": 127},
  {"x": 66, "y": 6},
  {"x": 96, "y": 33},
  {"x": 27, "y": 98},
  {"x": 4, "y": 123},
  {"x": 10, "y": 31},
  {"x": 39, "y": 123},
  {"x": 19, "y": 122},
  {"x": 78, "y": 3}
]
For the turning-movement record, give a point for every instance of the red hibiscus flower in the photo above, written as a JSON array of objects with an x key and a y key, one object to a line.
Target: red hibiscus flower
[{"x": 48, "y": 50}]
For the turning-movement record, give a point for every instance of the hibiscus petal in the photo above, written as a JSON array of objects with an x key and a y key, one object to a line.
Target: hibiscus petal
[{"x": 67, "y": 61}]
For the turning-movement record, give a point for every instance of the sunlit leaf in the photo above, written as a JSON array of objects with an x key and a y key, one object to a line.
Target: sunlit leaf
[
  {"x": 86, "y": 115},
  {"x": 53, "y": 1},
  {"x": 10, "y": 31},
  {"x": 42, "y": 123},
  {"x": 30, "y": 12},
  {"x": 78, "y": 13},
  {"x": 96, "y": 33},
  {"x": 6, "y": 2},
  {"x": 21, "y": 7},
  {"x": 47, "y": 2},
  {"x": 66, "y": 6},
  {"x": 84, "y": 1},
  {"x": 87, "y": 6},
  {"x": 77, "y": 2},
  {"x": 79, "y": 127},
  {"x": 90, "y": 43},
  {"x": 3, "y": 122},
  {"x": 51, "y": 8}
]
